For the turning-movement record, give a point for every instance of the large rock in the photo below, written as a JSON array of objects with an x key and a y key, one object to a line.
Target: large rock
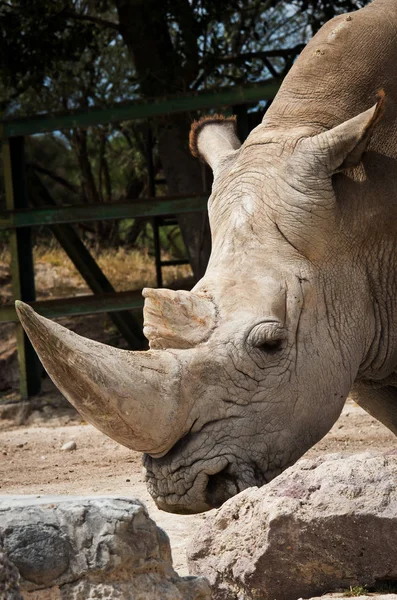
[
  {"x": 321, "y": 526},
  {"x": 9, "y": 576},
  {"x": 346, "y": 595},
  {"x": 81, "y": 548}
]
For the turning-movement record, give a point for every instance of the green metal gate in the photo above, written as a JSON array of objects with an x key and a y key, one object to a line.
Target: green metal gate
[{"x": 29, "y": 205}]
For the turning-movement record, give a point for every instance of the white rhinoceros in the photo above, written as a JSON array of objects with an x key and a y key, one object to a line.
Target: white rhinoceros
[{"x": 299, "y": 302}]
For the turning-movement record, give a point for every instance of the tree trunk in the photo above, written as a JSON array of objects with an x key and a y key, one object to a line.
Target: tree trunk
[
  {"x": 184, "y": 176},
  {"x": 79, "y": 142},
  {"x": 144, "y": 27}
]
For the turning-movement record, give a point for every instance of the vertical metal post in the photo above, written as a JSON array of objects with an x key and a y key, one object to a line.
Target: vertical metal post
[
  {"x": 22, "y": 270},
  {"x": 157, "y": 251},
  {"x": 155, "y": 220}
]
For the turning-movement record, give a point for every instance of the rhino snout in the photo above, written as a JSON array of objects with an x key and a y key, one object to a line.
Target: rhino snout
[{"x": 197, "y": 488}]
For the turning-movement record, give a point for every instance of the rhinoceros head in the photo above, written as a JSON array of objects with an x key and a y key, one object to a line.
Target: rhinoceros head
[{"x": 252, "y": 367}]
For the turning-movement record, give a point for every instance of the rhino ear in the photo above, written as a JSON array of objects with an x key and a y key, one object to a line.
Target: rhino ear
[
  {"x": 213, "y": 138},
  {"x": 343, "y": 146}
]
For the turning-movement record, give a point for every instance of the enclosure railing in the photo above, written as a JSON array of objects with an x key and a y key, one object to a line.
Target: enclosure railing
[{"x": 29, "y": 204}]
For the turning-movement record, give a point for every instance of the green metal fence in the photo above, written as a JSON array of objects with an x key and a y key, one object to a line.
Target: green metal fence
[{"x": 29, "y": 205}]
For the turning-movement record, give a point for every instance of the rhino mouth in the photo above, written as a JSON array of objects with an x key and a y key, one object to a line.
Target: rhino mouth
[
  {"x": 199, "y": 487},
  {"x": 221, "y": 486},
  {"x": 188, "y": 489}
]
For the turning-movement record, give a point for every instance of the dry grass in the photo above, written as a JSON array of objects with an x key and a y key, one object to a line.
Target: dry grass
[
  {"x": 56, "y": 276},
  {"x": 4, "y": 256},
  {"x": 134, "y": 270}
]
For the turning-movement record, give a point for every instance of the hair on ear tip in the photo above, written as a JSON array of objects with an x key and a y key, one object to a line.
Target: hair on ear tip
[
  {"x": 380, "y": 105},
  {"x": 197, "y": 127}
]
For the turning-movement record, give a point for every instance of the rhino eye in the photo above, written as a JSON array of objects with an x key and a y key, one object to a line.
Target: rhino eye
[
  {"x": 267, "y": 337},
  {"x": 270, "y": 347}
]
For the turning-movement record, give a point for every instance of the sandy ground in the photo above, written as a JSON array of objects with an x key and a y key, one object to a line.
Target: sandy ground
[{"x": 31, "y": 462}]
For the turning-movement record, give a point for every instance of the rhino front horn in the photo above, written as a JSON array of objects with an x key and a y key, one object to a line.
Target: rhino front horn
[{"x": 133, "y": 397}]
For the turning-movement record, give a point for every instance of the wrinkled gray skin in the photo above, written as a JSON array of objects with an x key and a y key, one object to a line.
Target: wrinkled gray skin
[{"x": 301, "y": 280}]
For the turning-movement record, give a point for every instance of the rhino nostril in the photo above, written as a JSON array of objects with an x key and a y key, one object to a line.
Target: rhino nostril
[{"x": 221, "y": 487}]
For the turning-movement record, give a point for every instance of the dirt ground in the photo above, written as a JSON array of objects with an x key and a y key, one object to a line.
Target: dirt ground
[{"x": 32, "y": 462}]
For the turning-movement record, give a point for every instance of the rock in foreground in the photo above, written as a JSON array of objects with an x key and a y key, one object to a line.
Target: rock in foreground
[
  {"x": 81, "y": 548},
  {"x": 321, "y": 526},
  {"x": 9, "y": 576},
  {"x": 344, "y": 596}
]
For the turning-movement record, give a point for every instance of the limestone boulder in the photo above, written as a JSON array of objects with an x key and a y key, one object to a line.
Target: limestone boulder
[
  {"x": 321, "y": 526},
  {"x": 82, "y": 548}
]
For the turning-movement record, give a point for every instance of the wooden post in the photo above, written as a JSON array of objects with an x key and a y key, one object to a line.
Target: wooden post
[{"x": 22, "y": 270}]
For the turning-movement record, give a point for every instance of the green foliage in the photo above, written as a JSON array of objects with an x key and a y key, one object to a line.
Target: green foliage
[
  {"x": 74, "y": 63},
  {"x": 36, "y": 41},
  {"x": 226, "y": 41},
  {"x": 100, "y": 75},
  {"x": 381, "y": 587},
  {"x": 69, "y": 53},
  {"x": 356, "y": 590}
]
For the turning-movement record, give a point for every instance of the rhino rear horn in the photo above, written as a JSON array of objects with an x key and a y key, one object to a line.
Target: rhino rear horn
[
  {"x": 214, "y": 138},
  {"x": 177, "y": 319}
]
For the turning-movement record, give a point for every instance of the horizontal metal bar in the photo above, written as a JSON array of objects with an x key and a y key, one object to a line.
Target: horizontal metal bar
[
  {"x": 139, "y": 109},
  {"x": 167, "y": 221},
  {"x": 151, "y": 207},
  {"x": 174, "y": 263},
  {"x": 87, "y": 304},
  {"x": 79, "y": 305}
]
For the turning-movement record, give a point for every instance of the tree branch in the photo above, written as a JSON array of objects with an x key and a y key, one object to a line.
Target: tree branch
[
  {"x": 61, "y": 180},
  {"x": 264, "y": 54},
  {"x": 91, "y": 19},
  {"x": 270, "y": 68},
  {"x": 212, "y": 61},
  {"x": 184, "y": 16}
]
